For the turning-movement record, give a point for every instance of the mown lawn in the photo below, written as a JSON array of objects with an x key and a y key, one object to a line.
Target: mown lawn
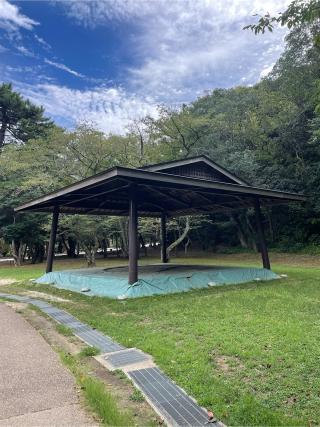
[{"x": 249, "y": 352}]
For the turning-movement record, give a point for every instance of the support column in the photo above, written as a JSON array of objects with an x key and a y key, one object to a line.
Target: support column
[
  {"x": 262, "y": 240},
  {"x": 133, "y": 241},
  {"x": 52, "y": 241},
  {"x": 164, "y": 257}
]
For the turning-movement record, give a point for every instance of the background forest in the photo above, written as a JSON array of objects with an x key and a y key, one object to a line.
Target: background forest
[{"x": 267, "y": 134}]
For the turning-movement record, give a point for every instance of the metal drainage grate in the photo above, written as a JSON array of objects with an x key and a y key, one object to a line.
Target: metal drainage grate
[
  {"x": 84, "y": 332},
  {"x": 168, "y": 398},
  {"x": 126, "y": 357},
  {"x": 16, "y": 297}
]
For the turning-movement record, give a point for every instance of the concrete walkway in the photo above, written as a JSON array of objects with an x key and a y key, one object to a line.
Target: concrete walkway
[{"x": 35, "y": 388}]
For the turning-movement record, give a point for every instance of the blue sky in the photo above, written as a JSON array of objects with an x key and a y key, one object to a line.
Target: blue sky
[{"x": 110, "y": 62}]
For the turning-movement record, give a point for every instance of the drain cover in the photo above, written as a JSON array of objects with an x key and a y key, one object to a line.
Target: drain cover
[
  {"x": 126, "y": 357},
  {"x": 168, "y": 398}
]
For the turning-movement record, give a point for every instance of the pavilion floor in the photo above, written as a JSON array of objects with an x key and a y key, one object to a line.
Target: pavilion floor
[{"x": 154, "y": 279}]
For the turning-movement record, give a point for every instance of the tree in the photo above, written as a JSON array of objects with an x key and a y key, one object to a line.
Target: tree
[
  {"x": 20, "y": 120},
  {"x": 178, "y": 132},
  {"x": 298, "y": 12}
]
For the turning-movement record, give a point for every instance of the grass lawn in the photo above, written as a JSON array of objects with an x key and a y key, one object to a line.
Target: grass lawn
[{"x": 249, "y": 352}]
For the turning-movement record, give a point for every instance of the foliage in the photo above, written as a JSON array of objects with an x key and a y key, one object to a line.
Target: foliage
[
  {"x": 64, "y": 330},
  {"x": 89, "y": 351},
  {"x": 20, "y": 120},
  {"x": 297, "y": 13}
]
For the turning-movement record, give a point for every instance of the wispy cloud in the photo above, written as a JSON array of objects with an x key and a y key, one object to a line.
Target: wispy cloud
[
  {"x": 187, "y": 47},
  {"x": 24, "y": 51},
  {"x": 183, "y": 49},
  {"x": 42, "y": 42},
  {"x": 111, "y": 109},
  {"x": 11, "y": 19},
  {"x": 63, "y": 67}
]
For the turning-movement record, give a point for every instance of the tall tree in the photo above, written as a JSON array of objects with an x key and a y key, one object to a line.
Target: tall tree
[{"x": 20, "y": 120}]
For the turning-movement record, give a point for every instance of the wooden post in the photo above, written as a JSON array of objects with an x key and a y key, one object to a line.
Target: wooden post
[
  {"x": 262, "y": 240},
  {"x": 164, "y": 257},
  {"x": 133, "y": 241},
  {"x": 52, "y": 241}
]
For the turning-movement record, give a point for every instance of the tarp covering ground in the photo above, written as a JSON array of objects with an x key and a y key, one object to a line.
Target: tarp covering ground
[{"x": 153, "y": 279}]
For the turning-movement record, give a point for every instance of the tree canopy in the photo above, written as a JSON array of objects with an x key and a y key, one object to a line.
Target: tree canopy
[{"x": 20, "y": 120}]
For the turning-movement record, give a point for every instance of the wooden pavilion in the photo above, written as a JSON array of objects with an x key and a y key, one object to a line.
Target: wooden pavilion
[{"x": 191, "y": 186}]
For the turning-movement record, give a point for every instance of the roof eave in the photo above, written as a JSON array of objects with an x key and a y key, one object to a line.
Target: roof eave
[{"x": 159, "y": 177}]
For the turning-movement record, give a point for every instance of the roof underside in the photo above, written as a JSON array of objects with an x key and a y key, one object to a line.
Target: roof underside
[{"x": 109, "y": 193}]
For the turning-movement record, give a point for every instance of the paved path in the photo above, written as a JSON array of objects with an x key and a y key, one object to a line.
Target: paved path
[
  {"x": 168, "y": 400},
  {"x": 35, "y": 388}
]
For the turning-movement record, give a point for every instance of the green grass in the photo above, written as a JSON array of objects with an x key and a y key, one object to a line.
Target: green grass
[
  {"x": 249, "y": 352},
  {"x": 137, "y": 396},
  {"x": 89, "y": 351},
  {"x": 96, "y": 396},
  {"x": 63, "y": 330}
]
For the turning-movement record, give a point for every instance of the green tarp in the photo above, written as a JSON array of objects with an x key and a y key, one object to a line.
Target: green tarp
[{"x": 153, "y": 279}]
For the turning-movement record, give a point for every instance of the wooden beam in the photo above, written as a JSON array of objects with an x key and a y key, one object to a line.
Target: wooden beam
[
  {"x": 101, "y": 193},
  {"x": 133, "y": 240},
  {"x": 261, "y": 236},
  {"x": 52, "y": 241},
  {"x": 164, "y": 257},
  {"x": 165, "y": 195}
]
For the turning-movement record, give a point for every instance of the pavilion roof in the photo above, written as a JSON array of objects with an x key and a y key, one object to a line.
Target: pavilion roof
[{"x": 205, "y": 188}]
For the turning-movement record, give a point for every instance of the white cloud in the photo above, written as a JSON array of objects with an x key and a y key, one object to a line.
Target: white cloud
[
  {"x": 42, "y": 42},
  {"x": 92, "y": 13},
  {"x": 182, "y": 48},
  {"x": 11, "y": 19},
  {"x": 266, "y": 71},
  {"x": 25, "y": 51},
  {"x": 63, "y": 67},
  {"x": 186, "y": 47},
  {"x": 111, "y": 109}
]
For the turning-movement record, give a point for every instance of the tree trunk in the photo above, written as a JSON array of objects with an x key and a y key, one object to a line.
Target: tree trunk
[
  {"x": 17, "y": 248},
  {"x": 186, "y": 245},
  {"x": 123, "y": 223},
  {"x": 240, "y": 231},
  {"x": 104, "y": 247},
  {"x": 143, "y": 245},
  {"x": 37, "y": 253},
  {"x": 180, "y": 239},
  {"x": 3, "y": 129},
  {"x": 90, "y": 252},
  {"x": 70, "y": 245},
  {"x": 251, "y": 233}
]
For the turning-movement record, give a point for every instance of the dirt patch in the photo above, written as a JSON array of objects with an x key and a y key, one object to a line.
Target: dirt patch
[
  {"x": 4, "y": 282},
  {"x": 45, "y": 296},
  {"x": 290, "y": 401},
  {"x": 48, "y": 330},
  {"x": 228, "y": 364},
  {"x": 17, "y": 306}
]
